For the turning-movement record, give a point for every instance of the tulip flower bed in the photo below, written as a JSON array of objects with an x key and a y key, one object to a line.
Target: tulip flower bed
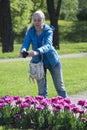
[{"x": 41, "y": 113}]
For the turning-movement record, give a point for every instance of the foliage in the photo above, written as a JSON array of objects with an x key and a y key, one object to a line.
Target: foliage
[
  {"x": 43, "y": 113},
  {"x": 69, "y": 10},
  {"x": 82, "y": 10},
  {"x": 82, "y": 4},
  {"x": 39, "y": 5},
  {"x": 73, "y": 31},
  {"x": 20, "y": 10},
  {"x": 82, "y": 15}
]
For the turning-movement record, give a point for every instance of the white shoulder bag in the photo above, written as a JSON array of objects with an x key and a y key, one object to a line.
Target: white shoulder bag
[{"x": 36, "y": 70}]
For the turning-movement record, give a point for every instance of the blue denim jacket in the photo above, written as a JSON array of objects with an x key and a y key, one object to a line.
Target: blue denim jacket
[{"x": 48, "y": 51}]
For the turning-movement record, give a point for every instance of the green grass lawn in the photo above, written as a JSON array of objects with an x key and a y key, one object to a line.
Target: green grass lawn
[
  {"x": 65, "y": 48},
  {"x": 14, "y": 79}
]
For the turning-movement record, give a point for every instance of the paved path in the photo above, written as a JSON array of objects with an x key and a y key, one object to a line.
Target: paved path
[
  {"x": 78, "y": 96},
  {"x": 74, "y": 98},
  {"x": 61, "y": 56}
]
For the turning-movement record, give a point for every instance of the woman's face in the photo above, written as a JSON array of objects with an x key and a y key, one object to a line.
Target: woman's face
[{"x": 38, "y": 21}]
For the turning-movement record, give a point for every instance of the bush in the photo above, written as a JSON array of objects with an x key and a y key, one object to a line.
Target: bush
[
  {"x": 43, "y": 113},
  {"x": 73, "y": 31},
  {"x": 82, "y": 15}
]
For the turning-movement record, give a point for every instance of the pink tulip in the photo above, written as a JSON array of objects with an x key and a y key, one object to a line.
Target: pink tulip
[
  {"x": 67, "y": 106},
  {"x": 85, "y": 105},
  {"x": 8, "y": 99},
  {"x": 39, "y": 98},
  {"x": 54, "y": 99},
  {"x": 81, "y": 102},
  {"x": 19, "y": 101},
  {"x": 44, "y": 102},
  {"x": 18, "y": 116},
  {"x": 24, "y": 105},
  {"x": 57, "y": 106},
  {"x": 2, "y": 105},
  {"x": 67, "y": 100},
  {"x": 75, "y": 109},
  {"x": 83, "y": 119},
  {"x": 39, "y": 107},
  {"x": 16, "y": 97},
  {"x": 81, "y": 111},
  {"x": 2, "y": 100}
]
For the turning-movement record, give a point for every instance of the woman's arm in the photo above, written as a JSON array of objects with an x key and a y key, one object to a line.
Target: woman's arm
[
  {"x": 48, "y": 41},
  {"x": 26, "y": 43}
]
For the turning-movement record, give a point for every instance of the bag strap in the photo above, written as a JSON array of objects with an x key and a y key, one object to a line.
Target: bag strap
[{"x": 42, "y": 45}]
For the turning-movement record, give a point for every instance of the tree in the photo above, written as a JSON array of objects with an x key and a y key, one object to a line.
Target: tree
[
  {"x": 20, "y": 13},
  {"x": 82, "y": 10},
  {"x": 6, "y": 30},
  {"x": 82, "y": 4},
  {"x": 39, "y": 5},
  {"x": 54, "y": 11},
  {"x": 69, "y": 9}
]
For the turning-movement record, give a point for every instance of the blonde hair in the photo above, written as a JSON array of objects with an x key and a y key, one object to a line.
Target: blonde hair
[{"x": 39, "y": 12}]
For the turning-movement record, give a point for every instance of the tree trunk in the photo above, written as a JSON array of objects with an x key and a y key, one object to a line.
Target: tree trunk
[
  {"x": 54, "y": 15},
  {"x": 54, "y": 22},
  {"x": 6, "y": 31}
]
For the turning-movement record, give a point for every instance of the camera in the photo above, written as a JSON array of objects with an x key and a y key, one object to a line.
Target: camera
[{"x": 25, "y": 54}]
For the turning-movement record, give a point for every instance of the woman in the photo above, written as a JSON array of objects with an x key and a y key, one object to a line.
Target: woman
[{"x": 40, "y": 35}]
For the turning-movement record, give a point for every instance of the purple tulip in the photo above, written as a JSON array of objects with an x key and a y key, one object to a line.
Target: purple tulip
[
  {"x": 54, "y": 99},
  {"x": 55, "y": 110},
  {"x": 8, "y": 99},
  {"x": 81, "y": 111},
  {"x": 75, "y": 109},
  {"x": 28, "y": 96},
  {"x": 16, "y": 97},
  {"x": 2, "y": 105},
  {"x": 24, "y": 105},
  {"x": 45, "y": 102},
  {"x": 81, "y": 102},
  {"x": 60, "y": 97},
  {"x": 57, "y": 106},
  {"x": 83, "y": 119},
  {"x": 72, "y": 105},
  {"x": 39, "y": 107},
  {"x": 28, "y": 100},
  {"x": 39, "y": 98},
  {"x": 67, "y": 106},
  {"x": 67, "y": 100},
  {"x": 18, "y": 116},
  {"x": 85, "y": 105},
  {"x": 2, "y": 100},
  {"x": 19, "y": 101}
]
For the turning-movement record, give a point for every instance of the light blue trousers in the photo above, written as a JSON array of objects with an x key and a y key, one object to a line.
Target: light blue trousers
[{"x": 57, "y": 77}]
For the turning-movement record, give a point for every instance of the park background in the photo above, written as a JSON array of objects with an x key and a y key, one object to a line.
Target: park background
[
  {"x": 69, "y": 17},
  {"x": 72, "y": 24}
]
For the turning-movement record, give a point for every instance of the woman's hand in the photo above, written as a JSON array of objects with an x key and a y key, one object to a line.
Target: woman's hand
[
  {"x": 21, "y": 55},
  {"x": 29, "y": 53},
  {"x": 24, "y": 54},
  {"x": 33, "y": 53}
]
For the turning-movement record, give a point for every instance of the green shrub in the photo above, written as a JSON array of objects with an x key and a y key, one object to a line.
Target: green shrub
[
  {"x": 73, "y": 31},
  {"x": 82, "y": 15}
]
